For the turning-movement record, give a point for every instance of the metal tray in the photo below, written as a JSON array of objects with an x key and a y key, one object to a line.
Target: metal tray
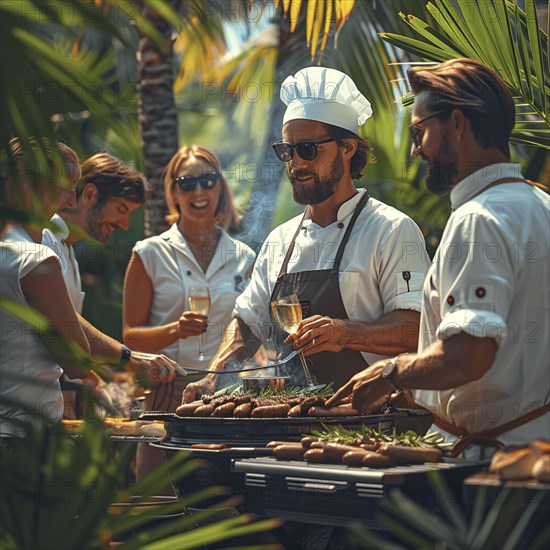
[{"x": 184, "y": 431}]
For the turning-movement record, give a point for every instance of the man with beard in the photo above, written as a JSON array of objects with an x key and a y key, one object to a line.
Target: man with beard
[
  {"x": 482, "y": 361},
  {"x": 108, "y": 191},
  {"x": 356, "y": 264}
]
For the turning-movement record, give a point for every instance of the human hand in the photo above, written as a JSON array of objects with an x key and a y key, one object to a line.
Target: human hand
[
  {"x": 191, "y": 324},
  {"x": 159, "y": 368},
  {"x": 318, "y": 334},
  {"x": 369, "y": 391},
  {"x": 194, "y": 390},
  {"x": 94, "y": 383}
]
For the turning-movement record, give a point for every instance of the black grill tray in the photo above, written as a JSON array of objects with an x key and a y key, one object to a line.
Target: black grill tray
[{"x": 184, "y": 431}]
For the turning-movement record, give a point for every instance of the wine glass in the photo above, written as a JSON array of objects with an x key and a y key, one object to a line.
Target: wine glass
[
  {"x": 287, "y": 313},
  {"x": 199, "y": 302}
]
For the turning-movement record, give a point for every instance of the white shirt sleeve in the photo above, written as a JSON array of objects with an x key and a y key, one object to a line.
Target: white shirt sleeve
[
  {"x": 403, "y": 263},
  {"x": 477, "y": 276}
]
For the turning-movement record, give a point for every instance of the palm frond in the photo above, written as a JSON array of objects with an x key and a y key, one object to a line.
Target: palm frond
[{"x": 501, "y": 35}]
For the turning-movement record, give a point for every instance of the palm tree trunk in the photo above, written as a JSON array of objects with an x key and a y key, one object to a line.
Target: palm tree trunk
[{"x": 157, "y": 115}]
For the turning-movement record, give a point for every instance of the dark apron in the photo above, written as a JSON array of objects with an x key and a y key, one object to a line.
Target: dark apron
[{"x": 319, "y": 294}]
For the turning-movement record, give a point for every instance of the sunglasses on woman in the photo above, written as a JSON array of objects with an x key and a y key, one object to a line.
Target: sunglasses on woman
[
  {"x": 206, "y": 181},
  {"x": 306, "y": 150}
]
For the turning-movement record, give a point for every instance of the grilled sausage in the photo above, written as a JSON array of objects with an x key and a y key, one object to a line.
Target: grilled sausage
[
  {"x": 224, "y": 410},
  {"x": 376, "y": 460},
  {"x": 317, "y": 456},
  {"x": 354, "y": 458},
  {"x": 188, "y": 409},
  {"x": 289, "y": 452},
  {"x": 341, "y": 410},
  {"x": 373, "y": 447},
  {"x": 209, "y": 446},
  {"x": 205, "y": 410},
  {"x": 243, "y": 411},
  {"x": 271, "y": 411},
  {"x": 410, "y": 455},
  {"x": 273, "y": 444},
  {"x": 336, "y": 451},
  {"x": 295, "y": 411},
  {"x": 307, "y": 441}
]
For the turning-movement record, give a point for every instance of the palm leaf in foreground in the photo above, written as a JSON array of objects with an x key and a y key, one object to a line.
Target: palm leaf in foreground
[{"x": 503, "y": 525}]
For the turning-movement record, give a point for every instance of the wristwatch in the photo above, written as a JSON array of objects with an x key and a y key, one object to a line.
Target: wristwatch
[
  {"x": 125, "y": 356},
  {"x": 388, "y": 372}
]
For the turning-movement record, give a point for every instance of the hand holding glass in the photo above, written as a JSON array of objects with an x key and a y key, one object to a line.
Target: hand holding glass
[
  {"x": 287, "y": 313},
  {"x": 199, "y": 302}
]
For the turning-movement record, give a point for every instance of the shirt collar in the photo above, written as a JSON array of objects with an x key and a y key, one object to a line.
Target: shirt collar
[
  {"x": 61, "y": 228},
  {"x": 473, "y": 184},
  {"x": 17, "y": 234},
  {"x": 174, "y": 236},
  {"x": 345, "y": 209}
]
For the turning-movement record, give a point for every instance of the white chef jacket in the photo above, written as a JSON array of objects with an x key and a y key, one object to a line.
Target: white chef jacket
[
  {"x": 56, "y": 240},
  {"x": 383, "y": 245},
  {"x": 172, "y": 269},
  {"x": 491, "y": 278},
  {"x": 28, "y": 373}
]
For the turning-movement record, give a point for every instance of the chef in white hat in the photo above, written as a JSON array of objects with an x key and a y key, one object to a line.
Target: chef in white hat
[{"x": 357, "y": 265}]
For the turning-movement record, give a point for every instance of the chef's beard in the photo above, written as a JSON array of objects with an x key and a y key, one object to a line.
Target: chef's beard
[
  {"x": 321, "y": 189},
  {"x": 441, "y": 172}
]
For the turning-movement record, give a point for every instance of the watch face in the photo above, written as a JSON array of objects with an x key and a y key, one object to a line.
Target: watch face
[{"x": 387, "y": 371}]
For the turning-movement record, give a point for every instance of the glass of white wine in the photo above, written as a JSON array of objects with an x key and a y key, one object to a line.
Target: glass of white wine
[
  {"x": 199, "y": 302},
  {"x": 287, "y": 313}
]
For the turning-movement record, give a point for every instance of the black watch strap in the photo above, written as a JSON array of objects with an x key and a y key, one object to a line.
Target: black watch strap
[{"x": 125, "y": 356}]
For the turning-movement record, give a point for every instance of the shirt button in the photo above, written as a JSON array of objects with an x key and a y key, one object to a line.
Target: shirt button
[
  {"x": 450, "y": 300},
  {"x": 189, "y": 273},
  {"x": 480, "y": 292},
  {"x": 340, "y": 225}
]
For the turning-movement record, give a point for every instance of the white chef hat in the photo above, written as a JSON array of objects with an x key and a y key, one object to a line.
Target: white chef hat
[{"x": 325, "y": 95}]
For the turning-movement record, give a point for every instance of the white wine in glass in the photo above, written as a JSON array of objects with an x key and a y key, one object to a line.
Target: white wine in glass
[
  {"x": 199, "y": 302},
  {"x": 287, "y": 313}
]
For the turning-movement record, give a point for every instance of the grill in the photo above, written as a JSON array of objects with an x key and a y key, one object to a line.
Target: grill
[{"x": 335, "y": 494}]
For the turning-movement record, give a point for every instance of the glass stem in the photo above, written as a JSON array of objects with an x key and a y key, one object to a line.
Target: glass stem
[
  {"x": 309, "y": 380},
  {"x": 201, "y": 346}
]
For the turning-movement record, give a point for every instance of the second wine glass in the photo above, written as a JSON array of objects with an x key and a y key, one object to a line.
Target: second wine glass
[
  {"x": 287, "y": 313},
  {"x": 199, "y": 302}
]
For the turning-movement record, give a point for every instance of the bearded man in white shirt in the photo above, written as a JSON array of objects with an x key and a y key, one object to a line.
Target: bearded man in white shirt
[
  {"x": 107, "y": 193},
  {"x": 483, "y": 356},
  {"x": 356, "y": 264}
]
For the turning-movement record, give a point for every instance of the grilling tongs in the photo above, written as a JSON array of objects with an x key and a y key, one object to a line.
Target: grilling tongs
[{"x": 290, "y": 356}]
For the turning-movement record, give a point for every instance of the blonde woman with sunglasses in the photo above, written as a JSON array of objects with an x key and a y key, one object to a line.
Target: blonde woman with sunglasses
[{"x": 196, "y": 252}]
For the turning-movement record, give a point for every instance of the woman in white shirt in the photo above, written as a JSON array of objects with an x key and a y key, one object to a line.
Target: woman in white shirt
[{"x": 195, "y": 252}]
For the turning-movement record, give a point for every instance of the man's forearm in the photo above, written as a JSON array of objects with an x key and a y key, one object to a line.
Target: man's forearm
[
  {"x": 446, "y": 364},
  {"x": 395, "y": 333},
  {"x": 101, "y": 345},
  {"x": 237, "y": 342}
]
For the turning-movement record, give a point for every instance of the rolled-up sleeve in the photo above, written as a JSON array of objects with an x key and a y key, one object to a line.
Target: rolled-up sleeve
[
  {"x": 404, "y": 264},
  {"x": 477, "y": 276}
]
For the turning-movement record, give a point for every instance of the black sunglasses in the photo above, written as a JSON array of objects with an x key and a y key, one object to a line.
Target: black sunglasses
[
  {"x": 206, "y": 181},
  {"x": 305, "y": 149},
  {"x": 414, "y": 135}
]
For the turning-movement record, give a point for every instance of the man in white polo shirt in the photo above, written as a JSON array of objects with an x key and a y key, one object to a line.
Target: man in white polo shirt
[{"x": 482, "y": 365}]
